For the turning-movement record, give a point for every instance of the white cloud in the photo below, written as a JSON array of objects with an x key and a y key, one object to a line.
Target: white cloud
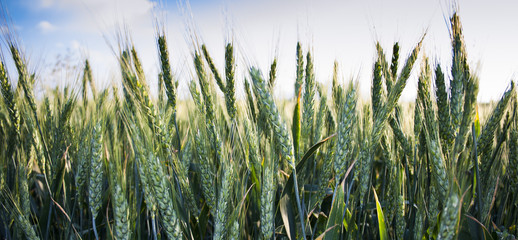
[
  {"x": 75, "y": 45},
  {"x": 96, "y": 15},
  {"x": 46, "y": 27},
  {"x": 82, "y": 28},
  {"x": 46, "y": 3}
]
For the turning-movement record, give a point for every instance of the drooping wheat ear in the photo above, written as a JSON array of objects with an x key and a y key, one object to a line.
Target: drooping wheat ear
[
  {"x": 95, "y": 184},
  {"x": 345, "y": 138},
  {"x": 162, "y": 190},
  {"x": 450, "y": 218},
  {"x": 459, "y": 72},
  {"x": 166, "y": 72},
  {"x": 273, "y": 74},
  {"x": 336, "y": 89},
  {"x": 221, "y": 217},
  {"x": 308, "y": 104},
  {"x": 438, "y": 163},
  {"x": 213, "y": 68},
  {"x": 485, "y": 140},
  {"x": 267, "y": 200},
  {"x": 443, "y": 109},
  {"x": 300, "y": 69},
  {"x": 206, "y": 173},
  {"x": 230, "y": 93},
  {"x": 280, "y": 132},
  {"x": 377, "y": 89}
]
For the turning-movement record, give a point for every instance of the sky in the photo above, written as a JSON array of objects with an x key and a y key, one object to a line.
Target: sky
[{"x": 57, "y": 35}]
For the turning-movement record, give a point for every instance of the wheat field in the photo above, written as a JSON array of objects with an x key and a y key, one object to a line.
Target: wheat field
[{"x": 120, "y": 163}]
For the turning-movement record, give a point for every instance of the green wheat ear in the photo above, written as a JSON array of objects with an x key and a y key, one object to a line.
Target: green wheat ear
[
  {"x": 308, "y": 105},
  {"x": 166, "y": 71},
  {"x": 300, "y": 69},
  {"x": 344, "y": 142},
  {"x": 9, "y": 101},
  {"x": 223, "y": 203},
  {"x": 217, "y": 76},
  {"x": 230, "y": 94},
  {"x": 281, "y": 134},
  {"x": 377, "y": 89},
  {"x": 336, "y": 88},
  {"x": 95, "y": 184},
  {"x": 267, "y": 200},
  {"x": 443, "y": 107}
]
